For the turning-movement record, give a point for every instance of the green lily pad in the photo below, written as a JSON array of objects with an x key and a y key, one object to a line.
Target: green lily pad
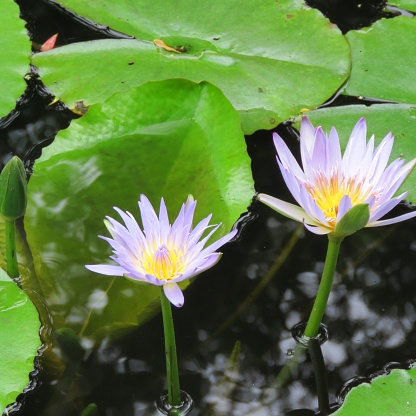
[
  {"x": 400, "y": 119},
  {"x": 270, "y": 59},
  {"x": 404, "y": 4},
  {"x": 19, "y": 340},
  {"x": 14, "y": 56},
  {"x": 383, "y": 61},
  {"x": 389, "y": 395},
  {"x": 170, "y": 139}
]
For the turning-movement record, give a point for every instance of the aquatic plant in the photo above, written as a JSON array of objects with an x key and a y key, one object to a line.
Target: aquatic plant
[
  {"x": 338, "y": 194},
  {"x": 13, "y": 201},
  {"x": 145, "y": 125},
  {"x": 330, "y": 184},
  {"x": 162, "y": 255}
]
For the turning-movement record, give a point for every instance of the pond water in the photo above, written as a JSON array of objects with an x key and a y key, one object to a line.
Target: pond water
[{"x": 237, "y": 352}]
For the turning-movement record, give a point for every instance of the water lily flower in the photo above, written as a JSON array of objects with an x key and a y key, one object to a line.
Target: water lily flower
[
  {"x": 161, "y": 254},
  {"x": 336, "y": 191}
]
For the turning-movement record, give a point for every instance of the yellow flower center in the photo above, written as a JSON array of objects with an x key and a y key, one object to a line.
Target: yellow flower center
[
  {"x": 164, "y": 264},
  {"x": 328, "y": 192}
]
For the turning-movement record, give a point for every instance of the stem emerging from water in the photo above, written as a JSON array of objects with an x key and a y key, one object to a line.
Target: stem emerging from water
[
  {"x": 11, "y": 255},
  {"x": 321, "y": 299},
  {"x": 172, "y": 374}
]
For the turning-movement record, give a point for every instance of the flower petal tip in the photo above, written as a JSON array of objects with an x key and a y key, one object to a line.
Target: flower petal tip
[{"x": 174, "y": 294}]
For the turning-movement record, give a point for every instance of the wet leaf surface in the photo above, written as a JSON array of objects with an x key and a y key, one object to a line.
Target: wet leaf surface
[
  {"x": 269, "y": 71},
  {"x": 19, "y": 339},
  {"x": 404, "y": 4},
  {"x": 383, "y": 62},
  {"x": 387, "y": 395},
  {"x": 14, "y": 56}
]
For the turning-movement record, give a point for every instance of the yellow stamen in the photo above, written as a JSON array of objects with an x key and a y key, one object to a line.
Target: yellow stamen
[
  {"x": 164, "y": 263},
  {"x": 328, "y": 192}
]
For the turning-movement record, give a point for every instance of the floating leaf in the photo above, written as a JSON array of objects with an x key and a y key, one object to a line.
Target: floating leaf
[
  {"x": 383, "y": 61},
  {"x": 170, "y": 139},
  {"x": 389, "y": 395},
  {"x": 400, "y": 119},
  {"x": 14, "y": 56},
  {"x": 270, "y": 59},
  {"x": 404, "y": 4},
  {"x": 19, "y": 339}
]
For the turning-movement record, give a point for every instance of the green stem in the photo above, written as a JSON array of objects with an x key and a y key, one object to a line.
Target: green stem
[
  {"x": 11, "y": 255},
  {"x": 321, "y": 299},
  {"x": 174, "y": 392}
]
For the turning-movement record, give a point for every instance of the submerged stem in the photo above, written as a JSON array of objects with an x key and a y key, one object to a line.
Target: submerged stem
[
  {"x": 172, "y": 374},
  {"x": 11, "y": 255},
  {"x": 321, "y": 299},
  {"x": 321, "y": 379}
]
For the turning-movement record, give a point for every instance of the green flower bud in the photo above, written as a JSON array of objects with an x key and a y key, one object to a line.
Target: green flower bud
[{"x": 13, "y": 190}]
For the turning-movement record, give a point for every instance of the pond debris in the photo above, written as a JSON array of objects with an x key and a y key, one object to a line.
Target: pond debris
[
  {"x": 49, "y": 44},
  {"x": 159, "y": 43}
]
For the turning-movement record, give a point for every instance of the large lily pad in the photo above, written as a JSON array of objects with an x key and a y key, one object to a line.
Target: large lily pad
[
  {"x": 389, "y": 395},
  {"x": 270, "y": 59},
  {"x": 19, "y": 341},
  {"x": 14, "y": 56},
  {"x": 381, "y": 119},
  {"x": 383, "y": 61},
  {"x": 169, "y": 139}
]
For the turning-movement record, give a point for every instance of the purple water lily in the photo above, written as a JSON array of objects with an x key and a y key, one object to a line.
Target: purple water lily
[
  {"x": 330, "y": 184},
  {"x": 162, "y": 254}
]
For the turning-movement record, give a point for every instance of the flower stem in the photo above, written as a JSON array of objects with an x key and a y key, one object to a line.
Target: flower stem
[
  {"x": 11, "y": 255},
  {"x": 174, "y": 393},
  {"x": 321, "y": 299}
]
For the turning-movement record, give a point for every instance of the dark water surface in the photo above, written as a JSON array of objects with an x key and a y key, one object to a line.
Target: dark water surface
[{"x": 264, "y": 285}]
